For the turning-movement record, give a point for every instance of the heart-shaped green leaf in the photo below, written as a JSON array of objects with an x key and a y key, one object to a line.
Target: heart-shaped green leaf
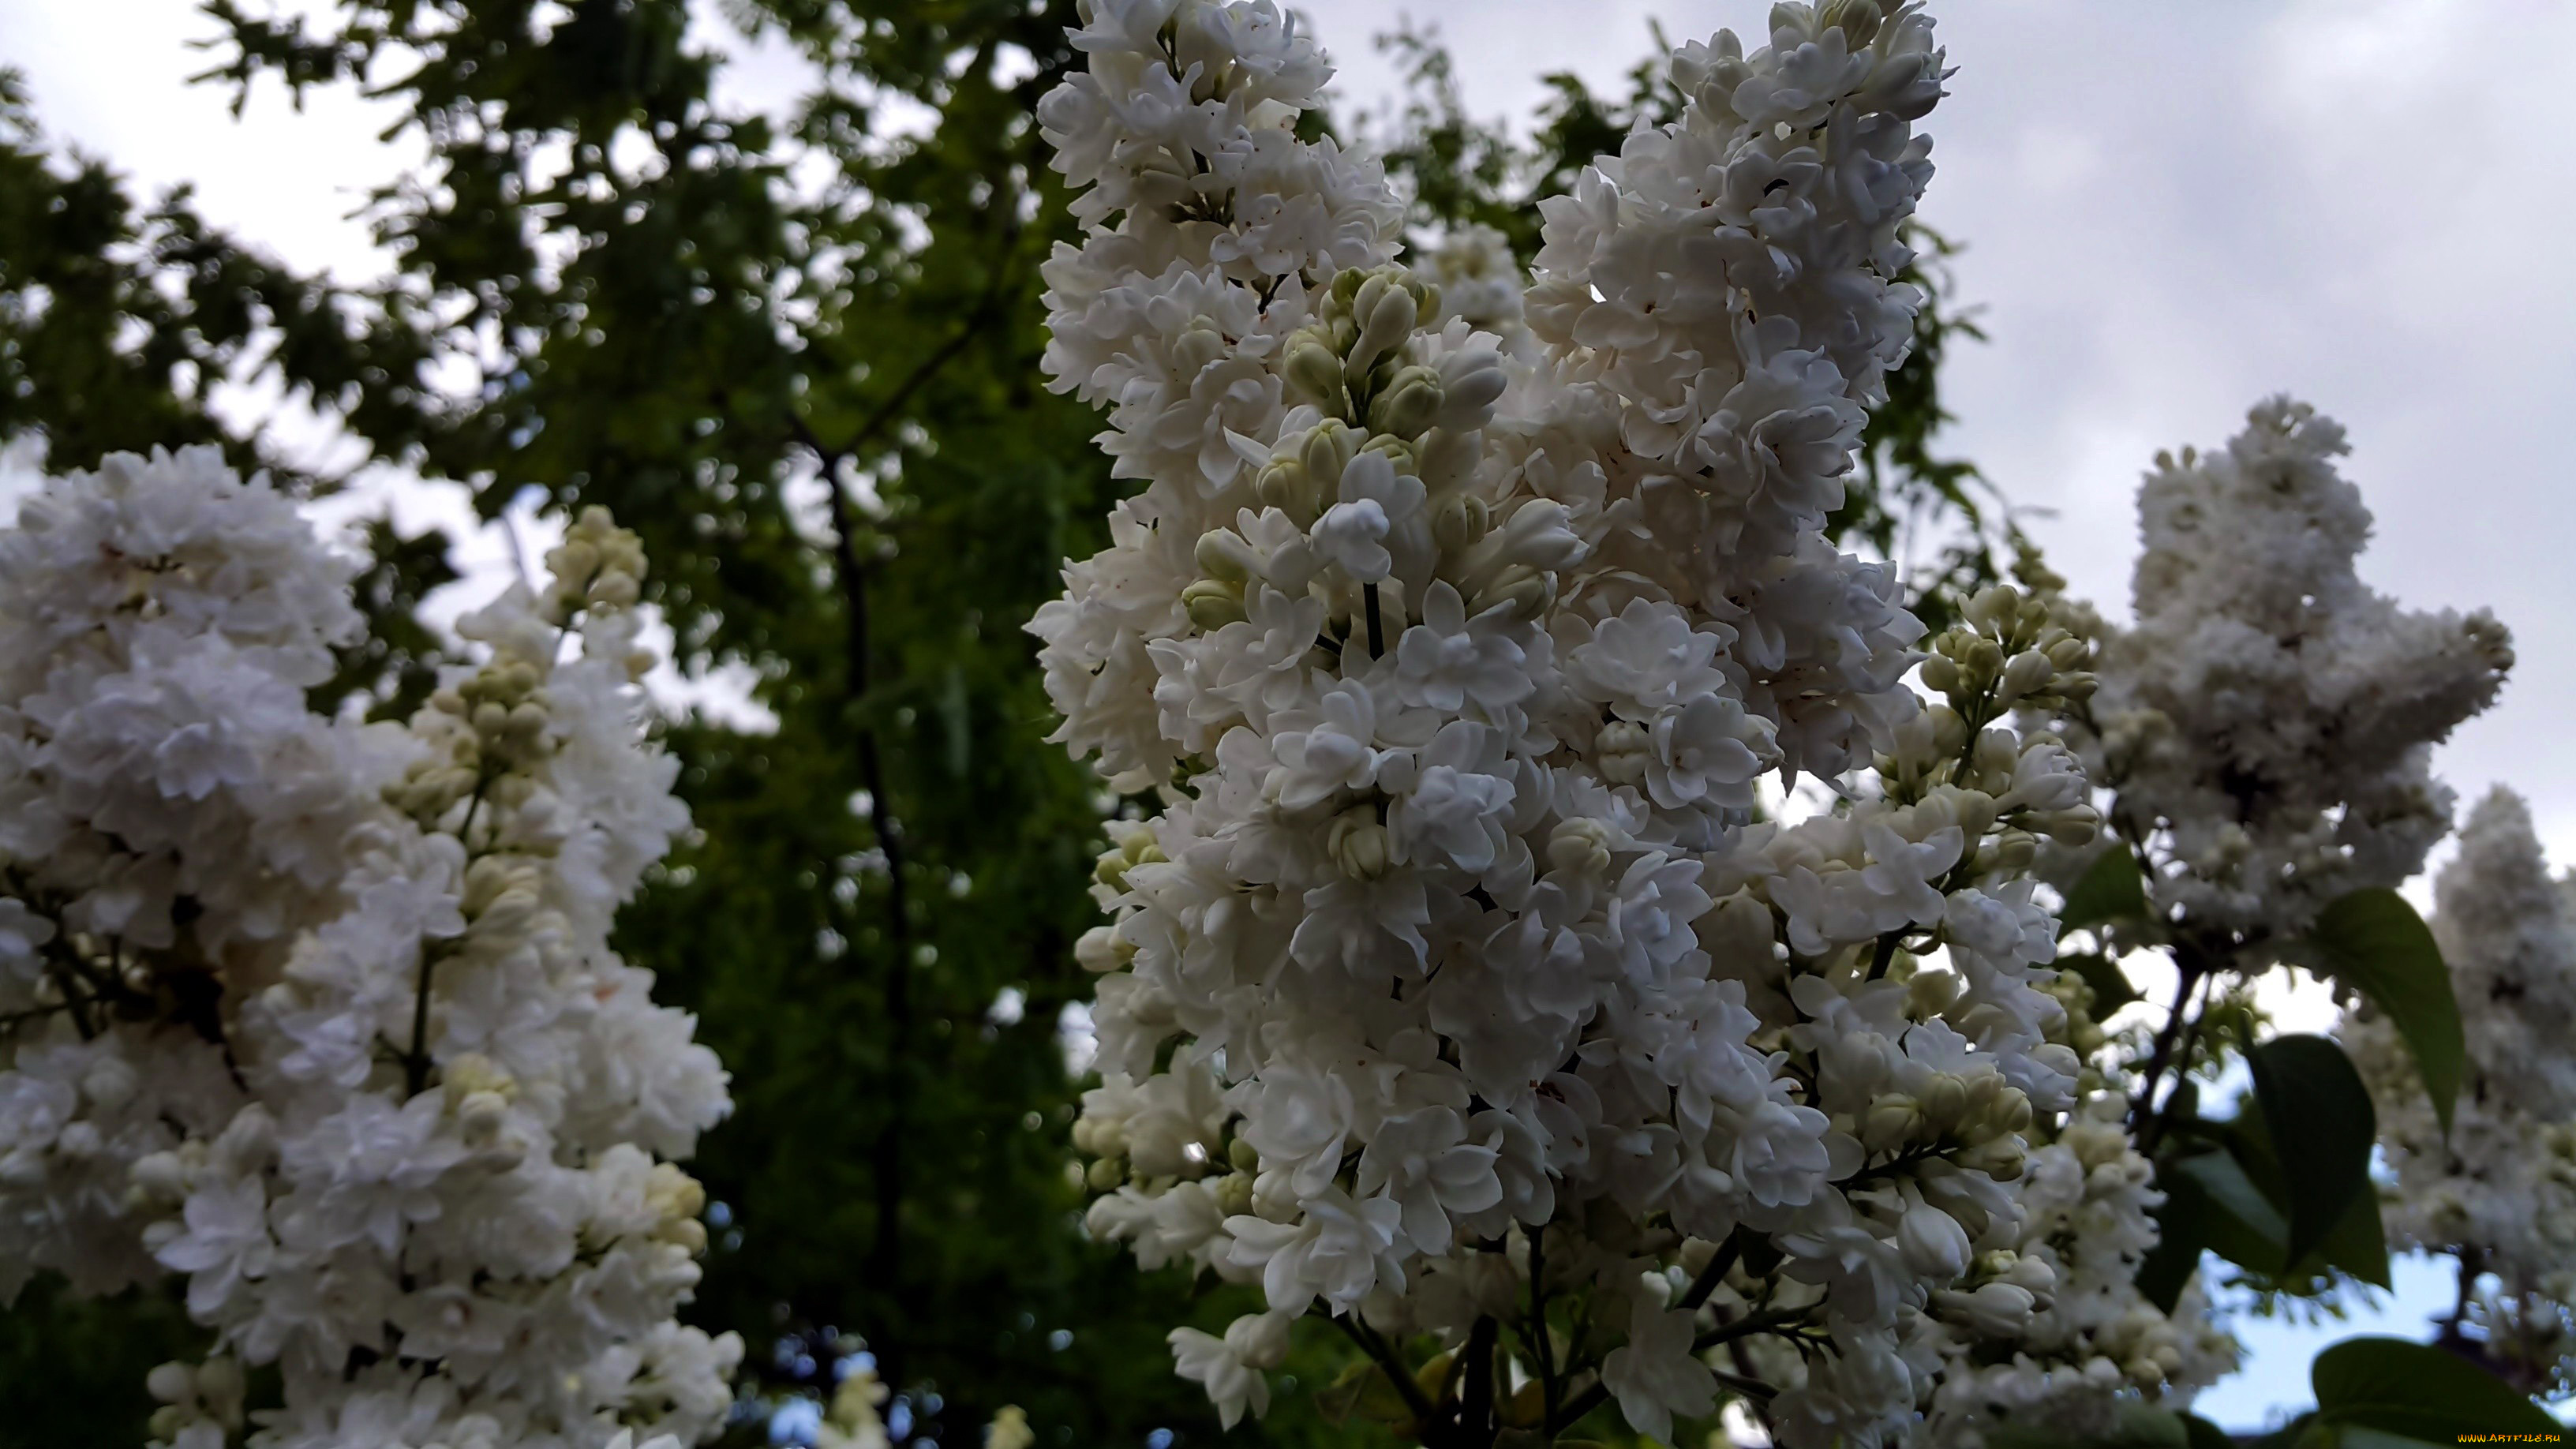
[
  {"x": 2110, "y": 890},
  {"x": 2373, "y": 941},
  {"x": 2318, "y": 1117}
]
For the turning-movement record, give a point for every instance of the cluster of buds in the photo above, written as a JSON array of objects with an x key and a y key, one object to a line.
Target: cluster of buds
[
  {"x": 1132, "y": 845},
  {"x": 2008, "y": 653},
  {"x": 1976, "y": 1122},
  {"x": 1350, "y": 361},
  {"x": 1997, "y": 1297},
  {"x": 499, "y": 724},
  {"x": 598, "y": 567},
  {"x": 2008, "y": 656}
]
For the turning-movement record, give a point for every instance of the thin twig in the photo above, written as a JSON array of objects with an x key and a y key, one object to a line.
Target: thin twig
[
  {"x": 2145, "y": 1122},
  {"x": 1716, "y": 1271},
  {"x": 1376, "y": 1348},
  {"x": 416, "y": 1060},
  {"x": 1542, "y": 1347}
]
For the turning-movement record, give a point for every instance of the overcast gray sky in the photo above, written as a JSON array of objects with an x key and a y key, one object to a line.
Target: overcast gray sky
[{"x": 2171, "y": 210}]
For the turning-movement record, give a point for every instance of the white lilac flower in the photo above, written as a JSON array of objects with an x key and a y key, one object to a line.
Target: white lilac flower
[
  {"x": 2499, "y": 1188},
  {"x": 1475, "y": 643},
  {"x": 415, "y": 1107}
]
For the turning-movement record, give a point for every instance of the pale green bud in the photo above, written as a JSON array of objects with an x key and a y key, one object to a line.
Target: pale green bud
[
  {"x": 1397, "y": 450},
  {"x": 1945, "y": 1101},
  {"x": 1460, "y": 522},
  {"x": 1358, "y": 843},
  {"x": 1328, "y": 450},
  {"x": 1286, "y": 486},
  {"x": 1316, "y": 373},
  {"x": 1411, "y": 400},
  {"x": 1223, "y": 554}
]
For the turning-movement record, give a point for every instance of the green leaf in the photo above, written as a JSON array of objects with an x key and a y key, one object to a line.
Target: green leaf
[
  {"x": 2182, "y": 1234},
  {"x": 2356, "y": 1244},
  {"x": 2111, "y": 890},
  {"x": 2241, "y": 1223},
  {"x": 2111, "y": 988},
  {"x": 2199, "y": 1433},
  {"x": 2362, "y": 1436},
  {"x": 2318, "y": 1116},
  {"x": 2133, "y": 1426},
  {"x": 2397, "y": 1386},
  {"x": 2211, "y": 1205},
  {"x": 2373, "y": 941}
]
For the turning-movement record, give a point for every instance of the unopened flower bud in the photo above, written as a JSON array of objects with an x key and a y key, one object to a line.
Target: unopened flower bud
[
  {"x": 1212, "y": 604},
  {"x": 1358, "y": 843},
  {"x": 1397, "y": 451},
  {"x": 479, "y": 1118},
  {"x": 2025, "y": 674},
  {"x": 1461, "y": 522},
  {"x": 1223, "y": 554},
  {"x": 1409, "y": 403},
  {"x": 1233, "y": 1193},
  {"x": 1994, "y": 1310},
  {"x": 1891, "y": 1123},
  {"x": 1934, "y": 1245},
  {"x": 1994, "y": 606},
  {"x": 1526, "y": 590},
  {"x": 1386, "y": 319},
  {"x": 172, "y": 1383},
  {"x": 1619, "y": 753},
  {"x": 614, "y": 591},
  {"x": 1316, "y": 373},
  {"x": 2010, "y": 1111},
  {"x": 1581, "y": 846},
  {"x": 1101, "y": 950},
  {"x": 1328, "y": 449}
]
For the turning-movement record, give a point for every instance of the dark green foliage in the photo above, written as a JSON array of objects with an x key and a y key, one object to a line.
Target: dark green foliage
[{"x": 71, "y": 1369}]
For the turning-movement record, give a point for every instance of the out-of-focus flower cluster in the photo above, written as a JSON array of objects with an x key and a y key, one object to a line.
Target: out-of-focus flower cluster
[
  {"x": 1455, "y": 981},
  {"x": 2264, "y": 731},
  {"x": 2499, "y": 1190},
  {"x": 2269, "y": 719},
  {"x": 321, "y": 1014}
]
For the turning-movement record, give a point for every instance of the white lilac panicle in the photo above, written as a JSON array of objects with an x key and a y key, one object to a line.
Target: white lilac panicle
[
  {"x": 2088, "y": 1202},
  {"x": 2499, "y": 1190},
  {"x": 321, "y": 1014},
  {"x": 2268, "y": 712},
  {"x": 1452, "y": 654}
]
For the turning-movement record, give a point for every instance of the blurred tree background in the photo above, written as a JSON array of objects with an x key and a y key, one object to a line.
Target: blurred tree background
[{"x": 797, "y": 351}]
